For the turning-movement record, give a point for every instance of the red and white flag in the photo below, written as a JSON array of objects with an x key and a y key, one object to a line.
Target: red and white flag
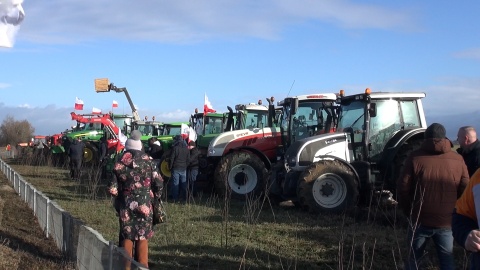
[
  {"x": 115, "y": 104},
  {"x": 184, "y": 131},
  {"x": 78, "y": 104},
  {"x": 96, "y": 110},
  {"x": 207, "y": 107}
]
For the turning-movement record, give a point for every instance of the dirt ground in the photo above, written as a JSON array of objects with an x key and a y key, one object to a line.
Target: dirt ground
[{"x": 23, "y": 244}]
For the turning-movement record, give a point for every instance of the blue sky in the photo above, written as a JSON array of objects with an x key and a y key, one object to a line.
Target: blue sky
[{"x": 168, "y": 54}]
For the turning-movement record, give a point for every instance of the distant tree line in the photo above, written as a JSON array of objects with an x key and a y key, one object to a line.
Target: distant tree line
[{"x": 13, "y": 131}]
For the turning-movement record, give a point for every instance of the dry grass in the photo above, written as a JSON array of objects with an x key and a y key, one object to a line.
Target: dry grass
[
  {"x": 213, "y": 233},
  {"x": 23, "y": 245}
]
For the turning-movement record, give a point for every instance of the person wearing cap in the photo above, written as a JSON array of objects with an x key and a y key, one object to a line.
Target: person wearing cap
[
  {"x": 469, "y": 148},
  {"x": 135, "y": 183},
  {"x": 179, "y": 159},
  {"x": 432, "y": 179}
]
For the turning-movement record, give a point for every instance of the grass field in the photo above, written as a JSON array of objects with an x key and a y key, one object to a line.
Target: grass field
[{"x": 214, "y": 233}]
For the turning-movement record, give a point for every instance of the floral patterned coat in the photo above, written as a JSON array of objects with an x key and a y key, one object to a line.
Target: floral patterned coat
[{"x": 134, "y": 182}]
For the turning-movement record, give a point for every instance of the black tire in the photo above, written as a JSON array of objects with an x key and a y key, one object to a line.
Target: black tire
[
  {"x": 90, "y": 154},
  {"x": 327, "y": 186},
  {"x": 399, "y": 162},
  {"x": 241, "y": 175}
]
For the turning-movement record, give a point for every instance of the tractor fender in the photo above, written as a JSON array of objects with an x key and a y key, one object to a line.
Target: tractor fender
[
  {"x": 397, "y": 141},
  {"x": 262, "y": 156},
  {"x": 352, "y": 168}
]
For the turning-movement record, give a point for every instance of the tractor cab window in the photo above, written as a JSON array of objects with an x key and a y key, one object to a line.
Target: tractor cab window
[
  {"x": 173, "y": 130},
  {"x": 214, "y": 126},
  {"x": 411, "y": 117},
  {"x": 313, "y": 118},
  {"x": 198, "y": 126},
  {"x": 352, "y": 117},
  {"x": 256, "y": 119},
  {"x": 145, "y": 129},
  {"x": 252, "y": 118},
  {"x": 383, "y": 126}
]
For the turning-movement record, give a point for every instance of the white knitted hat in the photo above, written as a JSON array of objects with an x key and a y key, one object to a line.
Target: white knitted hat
[{"x": 134, "y": 141}]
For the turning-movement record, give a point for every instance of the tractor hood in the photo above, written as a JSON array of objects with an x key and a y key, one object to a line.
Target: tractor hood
[
  {"x": 303, "y": 153},
  {"x": 258, "y": 138}
]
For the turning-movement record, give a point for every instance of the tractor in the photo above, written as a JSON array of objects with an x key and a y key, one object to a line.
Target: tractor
[
  {"x": 240, "y": 159},
  {"x": 90, "y": 128},
  {"x": 335, "y": 172}
]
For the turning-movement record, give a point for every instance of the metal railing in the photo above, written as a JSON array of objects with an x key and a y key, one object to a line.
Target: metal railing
[{"x": 77, "y": 241}]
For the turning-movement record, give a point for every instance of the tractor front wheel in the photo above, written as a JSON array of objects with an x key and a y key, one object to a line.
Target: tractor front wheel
[
  {"x": 240, "y": 174},
  {"x": 90, "y": 154},
  {"x": 327, "y": 186}
]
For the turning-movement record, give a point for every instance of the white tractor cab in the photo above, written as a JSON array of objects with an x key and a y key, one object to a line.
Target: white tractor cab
[
  {"x": 334, "y": 172},
  {"x": 242, "y": 158}
]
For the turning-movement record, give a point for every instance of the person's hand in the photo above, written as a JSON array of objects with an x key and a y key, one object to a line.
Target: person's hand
[{"x": 472, "y": 243}]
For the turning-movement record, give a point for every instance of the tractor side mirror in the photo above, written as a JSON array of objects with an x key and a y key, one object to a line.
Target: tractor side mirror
[
  {"x": 294, "y": 106},
  {"x": 373, "y": 110}
]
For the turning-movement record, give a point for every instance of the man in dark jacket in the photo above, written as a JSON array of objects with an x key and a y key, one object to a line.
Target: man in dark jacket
[
  {"x": 433, "y": 178},
  {"x": 192, "y": 168},
  {"x": 469, "y": 148},
  {"x": 75, "y": 153},
  {"x": 155, "y": 149},
  {"x": 179, "y": 160},
  {"x": 103, "y": 157}
]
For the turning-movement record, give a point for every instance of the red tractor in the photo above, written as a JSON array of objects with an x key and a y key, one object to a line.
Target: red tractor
[{"x": 242, "y": 158}]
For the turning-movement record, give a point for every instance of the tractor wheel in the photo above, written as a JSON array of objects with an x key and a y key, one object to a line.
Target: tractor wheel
[
  {"x": 90, "y": 154},
  {"x": 327, "y": 186},
  {"x": 240, "y": 174},
  {"x": 399, "y": 163}
]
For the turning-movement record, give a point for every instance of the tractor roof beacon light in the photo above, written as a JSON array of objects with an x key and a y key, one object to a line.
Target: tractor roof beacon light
[{"x": 368, "y": 91}]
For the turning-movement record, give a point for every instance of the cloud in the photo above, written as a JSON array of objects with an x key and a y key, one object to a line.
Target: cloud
[
  {"x": 4, "y": 85},
  {"x": 192, "y": 21},
  {"x": 473, "y": 53}
]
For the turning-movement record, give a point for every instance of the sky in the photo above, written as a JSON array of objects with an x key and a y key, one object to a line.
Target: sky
[{"x": 170, "y": 54}]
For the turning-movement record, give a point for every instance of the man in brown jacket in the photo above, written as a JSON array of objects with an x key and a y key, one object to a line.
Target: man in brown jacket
[{"x": 433, "y": 178}]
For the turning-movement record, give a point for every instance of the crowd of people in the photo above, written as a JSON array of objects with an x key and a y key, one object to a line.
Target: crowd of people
[{"x": 438, "y": 191}]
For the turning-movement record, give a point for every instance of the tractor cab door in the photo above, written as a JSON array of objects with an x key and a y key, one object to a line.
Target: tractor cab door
[{"x": 383, "y": 126}]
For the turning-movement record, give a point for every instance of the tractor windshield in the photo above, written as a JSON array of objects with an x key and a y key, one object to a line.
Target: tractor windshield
[
  {"x": 252, "y": 119},
  {"x": 311, "y": 118},
  {"x": 213, "y": 125},
  {"x": 172, "y": 130}
]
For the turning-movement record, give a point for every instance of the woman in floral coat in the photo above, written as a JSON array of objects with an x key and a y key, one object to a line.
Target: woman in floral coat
[{"x": 135, "y": 180}]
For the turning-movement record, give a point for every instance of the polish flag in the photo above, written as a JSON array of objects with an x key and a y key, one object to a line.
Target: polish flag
[
  {"x": 207, "y": 107},
  {"x": 115, "y": 104},
  {"x": 78, "y": 104},
  {"x": 96, "y": 110},
  {"x": 184, "y": 131}
]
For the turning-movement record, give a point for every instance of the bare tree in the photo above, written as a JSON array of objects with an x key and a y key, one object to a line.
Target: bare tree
[{"x": 13, "y": 132}]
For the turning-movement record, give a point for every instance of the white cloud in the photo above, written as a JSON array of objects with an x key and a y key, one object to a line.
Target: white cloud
[
  {"x": 4, "y": 85},
  {"x": 190, "y": 21},
  {"x": 26, "y": 106},
  {"x": 473, "y": 53}
]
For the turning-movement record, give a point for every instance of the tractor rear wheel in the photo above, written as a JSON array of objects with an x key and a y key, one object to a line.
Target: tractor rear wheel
[
  {"x": 327, "y": 186},
  {"x": 399, "y": 163},
  {"x": 90, "y": 154},
  {"x": 240, "y": 174}
]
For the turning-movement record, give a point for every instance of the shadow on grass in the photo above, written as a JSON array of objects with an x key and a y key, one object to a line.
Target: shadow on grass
[{"x": 238, "y": 257}]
